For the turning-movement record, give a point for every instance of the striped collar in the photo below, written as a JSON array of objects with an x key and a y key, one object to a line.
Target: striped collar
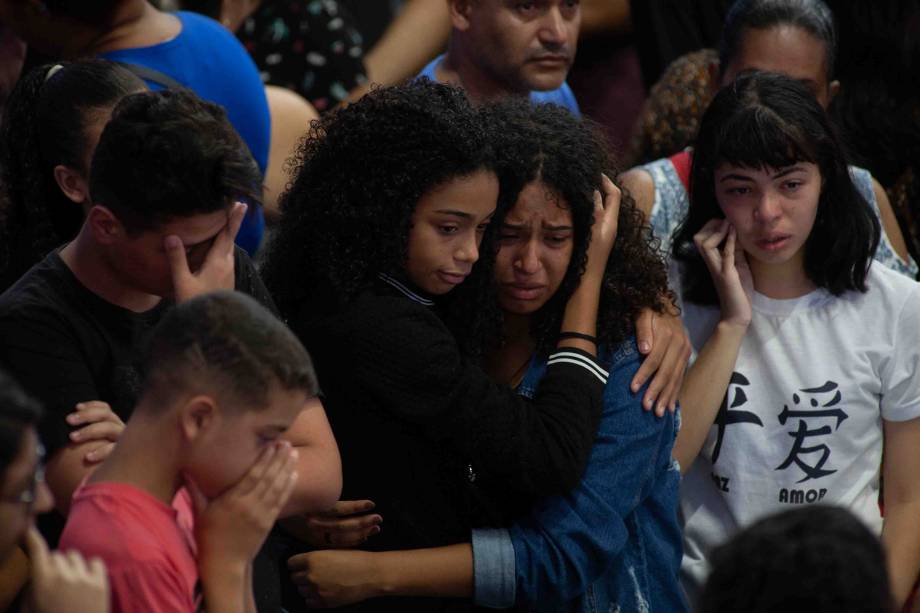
[{"x": 404, "y": 289}]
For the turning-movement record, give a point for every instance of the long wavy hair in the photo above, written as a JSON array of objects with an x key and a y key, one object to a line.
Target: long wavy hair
[{"x": 358, "y": 176}]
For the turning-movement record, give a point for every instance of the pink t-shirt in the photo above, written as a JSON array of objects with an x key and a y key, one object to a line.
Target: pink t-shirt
[{"x": 148, "y": 546}]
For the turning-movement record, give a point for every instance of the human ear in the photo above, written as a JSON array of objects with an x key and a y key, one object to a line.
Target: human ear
[
  {"x": 198, "y": 416},
  {"x": 72, "y": 183},
  {"x": 460, "y": 14},
  {"x": 105, "y": 227},
  {"x": 832, "y": 90}
]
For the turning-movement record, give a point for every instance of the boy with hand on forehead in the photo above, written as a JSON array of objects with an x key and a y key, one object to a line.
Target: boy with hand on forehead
[{"x": 181, "y": 506}]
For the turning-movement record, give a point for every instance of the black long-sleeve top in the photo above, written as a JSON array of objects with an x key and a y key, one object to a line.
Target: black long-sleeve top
[{"x": 416, "y": 424}]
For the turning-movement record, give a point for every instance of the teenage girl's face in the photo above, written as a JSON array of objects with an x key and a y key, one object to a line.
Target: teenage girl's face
[
  {"x": 787, "y": 50},
  {"x": 447, "y": 228},
  {"x": 772, "y": 209},
  {"x": 535, "y": 248}
]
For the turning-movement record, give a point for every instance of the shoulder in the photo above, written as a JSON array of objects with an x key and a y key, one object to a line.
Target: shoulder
[
  {"x": 120, "y": 524},
  {"x": 894, "y": 290},
  {"x": 39, "y": 293},
  {"x": 641, "y": 186},
  {"x": 195, "y": 23}
]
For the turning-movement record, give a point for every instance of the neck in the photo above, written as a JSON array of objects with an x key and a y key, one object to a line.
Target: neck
[
  {"x": 140, "y": 460},
  {"x": 133, "y": 24},
  {"x": 461, "y": 69},
  {"x": 508, "y": 363},
  {"x": 87, "y": 261},
  {"x": 781, "y": 281}
]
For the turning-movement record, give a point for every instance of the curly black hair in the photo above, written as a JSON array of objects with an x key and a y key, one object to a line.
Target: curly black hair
[
  {"x": 359, "y": 174},
  {"x": 569, "y": 155},
  {"x": 45, "y": 124},
  {"x": 170, "y": 154},
  {"x": 817, "y": 558}
]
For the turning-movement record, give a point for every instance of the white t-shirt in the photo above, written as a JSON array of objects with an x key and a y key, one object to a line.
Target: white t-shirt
[{"x": 803, "y": 423}]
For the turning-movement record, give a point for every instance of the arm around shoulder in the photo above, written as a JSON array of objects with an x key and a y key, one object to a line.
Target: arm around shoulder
[{"x": 319, "y": 467}]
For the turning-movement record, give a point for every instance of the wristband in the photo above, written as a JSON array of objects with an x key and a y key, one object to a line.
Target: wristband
[{"x": 579, "y": 335}]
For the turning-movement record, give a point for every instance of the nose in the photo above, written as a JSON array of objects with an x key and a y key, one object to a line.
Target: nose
[
  {"x": 553, "y": 31},
  {"x": 768, "y": 209},
  {"x": 468, "y": 249},
  {"x": 527, "y": 260},
  {"x": 44, "y": 499}
]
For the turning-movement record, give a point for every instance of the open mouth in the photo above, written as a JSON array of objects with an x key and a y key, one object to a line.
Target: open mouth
[{"x": 774, "y": 243}]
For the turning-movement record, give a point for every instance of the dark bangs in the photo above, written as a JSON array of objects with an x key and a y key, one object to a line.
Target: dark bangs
[
  {"x": 766, "y": 120},
  {"x": 758, "y": 138}
]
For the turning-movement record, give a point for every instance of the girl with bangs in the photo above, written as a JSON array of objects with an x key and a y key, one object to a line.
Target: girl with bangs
[{"x": 806, "y": 353}]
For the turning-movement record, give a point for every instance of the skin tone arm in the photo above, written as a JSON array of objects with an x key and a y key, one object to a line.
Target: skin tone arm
[
  {"x": 99, "y": 428},
  {"x": 901, "y": 531},
  {"x": 707, "y": 380},
  {"x": 318, "y": 463},
  {"x": 889, "y": 221},
  {"x": 413, "y": 39},
  {"x": 581, "y": 311},
  {"x": 335, "y": 578},
  {"x": 668, "y": 347}
]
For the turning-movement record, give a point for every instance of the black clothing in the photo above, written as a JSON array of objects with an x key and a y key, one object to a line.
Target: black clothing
[
  {"x": 418, "y": 427},
  {"x": 666, "y": 30},
  {"x": 64, "y": 344}
]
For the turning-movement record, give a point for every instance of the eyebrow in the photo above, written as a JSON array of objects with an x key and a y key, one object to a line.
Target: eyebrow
[
  {"x": 787, "y": 170},
  {"x": 781, "y": 173},
  {"x": 519, "y": 226},
  {"x": 455, "y": 213}
]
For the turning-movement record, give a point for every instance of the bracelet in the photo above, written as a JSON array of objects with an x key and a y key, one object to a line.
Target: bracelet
[{"x": 584, "y": 337}]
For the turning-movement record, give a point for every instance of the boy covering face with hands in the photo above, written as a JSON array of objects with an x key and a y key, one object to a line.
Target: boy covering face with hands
[{"x": 182, "y": 505}]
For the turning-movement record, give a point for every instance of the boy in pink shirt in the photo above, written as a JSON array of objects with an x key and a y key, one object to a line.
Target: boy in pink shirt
[{"x": 182, "y": 505}]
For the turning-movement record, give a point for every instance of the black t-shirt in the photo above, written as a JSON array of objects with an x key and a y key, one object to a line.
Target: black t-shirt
[{"x": 65, "y": 344}]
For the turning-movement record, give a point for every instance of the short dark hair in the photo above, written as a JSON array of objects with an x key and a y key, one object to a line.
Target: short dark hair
[
  {"x": 228, "y": 344},
  {"x": 769, "y": 120},
  {"x": 18, "y": 411},
  {"x": 44, "y": 124},
  {"x": 359, "y": 175},
  {"x": 813, "y": 16},
  {"x": 93, "y": 12},
  {"x": 547, "y": 143},
  {"x": 818, "y": 558},
  {"x": 170, "y": 154}
]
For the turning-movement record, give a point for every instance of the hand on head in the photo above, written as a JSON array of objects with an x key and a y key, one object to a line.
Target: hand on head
[
  {"x": 217, "y": 268},
  {"x": 604, "y": 230}
]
